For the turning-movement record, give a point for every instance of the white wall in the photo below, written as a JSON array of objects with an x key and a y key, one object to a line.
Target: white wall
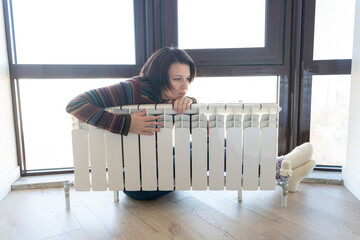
[
  {"x": 9, "y": 170},
  {"x": 351, "y": 170}
]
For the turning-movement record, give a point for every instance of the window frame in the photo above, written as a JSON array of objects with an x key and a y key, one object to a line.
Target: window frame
[
  {"x": 29, "y": 71},
  {"x": 289, "y": 57},
  {"x": 63, "y": 71},
  {"x": 310, "y": 68},
  {"x": 281, "y": 64}
]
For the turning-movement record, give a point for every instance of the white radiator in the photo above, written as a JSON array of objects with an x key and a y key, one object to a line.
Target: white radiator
[{"x": 147, "y": 163}]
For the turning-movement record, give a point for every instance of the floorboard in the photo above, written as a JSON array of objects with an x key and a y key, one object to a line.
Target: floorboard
[{"x": 316, "y": 212}]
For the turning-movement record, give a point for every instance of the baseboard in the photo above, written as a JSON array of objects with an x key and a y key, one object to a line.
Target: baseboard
[
  {"x": 351, "y": 181},
  {"x": 7, "y": 180}
]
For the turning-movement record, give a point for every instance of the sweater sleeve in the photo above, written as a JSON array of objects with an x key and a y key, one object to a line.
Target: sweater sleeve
[{"x": 89, "y": 107}]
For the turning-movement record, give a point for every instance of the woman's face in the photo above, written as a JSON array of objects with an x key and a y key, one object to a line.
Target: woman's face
[{"x": 179, "y": 75}]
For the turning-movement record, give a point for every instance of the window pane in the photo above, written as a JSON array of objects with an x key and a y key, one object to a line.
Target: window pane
[
  {"x": 74, "y": 32},
  {"x": 221, "y": 24},
  {"x": 330, "y": 99},
  {"x": 334, "y": 27},
  {"x": 234, "y": 89},
  {"x": 46, "y": 125}
]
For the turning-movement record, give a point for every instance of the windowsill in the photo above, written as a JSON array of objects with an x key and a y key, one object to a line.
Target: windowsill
[
  {"x": 324, "y": 177},
  {"x": 57, "y": 180},
  {"x": 43, "y": 181}
]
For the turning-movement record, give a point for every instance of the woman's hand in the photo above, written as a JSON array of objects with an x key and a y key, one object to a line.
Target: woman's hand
[
  {"x": 140, "y": 123},
  {"x": 181, "y": 104}
]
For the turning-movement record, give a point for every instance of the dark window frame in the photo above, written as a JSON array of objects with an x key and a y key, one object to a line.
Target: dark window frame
[
  {"x": 291, "y": 60},
  {"x": 63, "y": 71},
  {"x": 47, "y": 71},
  {"x": 310, "y": 68},
  {"x": 279, "y": 64}
]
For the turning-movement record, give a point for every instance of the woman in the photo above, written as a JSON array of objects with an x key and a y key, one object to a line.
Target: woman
[{"x": 164, "y": 78}]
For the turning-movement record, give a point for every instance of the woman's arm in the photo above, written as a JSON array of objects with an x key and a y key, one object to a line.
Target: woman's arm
[
  {"x": 89, "y": 106},
  {"x": 183, "y": 103}
]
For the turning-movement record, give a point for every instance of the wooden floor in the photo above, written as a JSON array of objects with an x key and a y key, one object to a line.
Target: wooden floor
[{"x": 315, "y": 212}]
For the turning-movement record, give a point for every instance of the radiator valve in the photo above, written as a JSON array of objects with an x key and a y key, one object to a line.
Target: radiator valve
[{"x": 285, "y": 168}]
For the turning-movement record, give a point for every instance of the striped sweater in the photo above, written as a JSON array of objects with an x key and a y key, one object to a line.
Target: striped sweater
[{"x": 89, "y": 106}]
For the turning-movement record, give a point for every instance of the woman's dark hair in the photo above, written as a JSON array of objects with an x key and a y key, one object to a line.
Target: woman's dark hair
[{"x": 156, "y": 68}]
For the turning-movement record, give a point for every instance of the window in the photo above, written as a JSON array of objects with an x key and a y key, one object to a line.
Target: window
[
  {"x": 54, "y": 45},
  {"x": 256, "y": 89},
  {"x": 248, "y": 50},
  {"x": 46, "y": 125},
  {"x": 325, "y": 83},
  {"x": 329, "y": 118},
  {"x": 74, "y": 32},
  {"x": 334, "y": 28},
  {"x": 226, "y": 33},
  {"x": 228, "y": 24}
]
